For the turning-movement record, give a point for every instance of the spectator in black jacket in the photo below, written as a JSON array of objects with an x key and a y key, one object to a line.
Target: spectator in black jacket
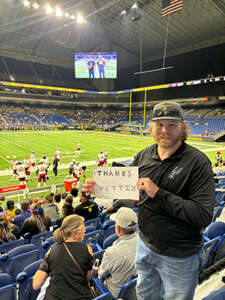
[{"x": 87, "y": 209}]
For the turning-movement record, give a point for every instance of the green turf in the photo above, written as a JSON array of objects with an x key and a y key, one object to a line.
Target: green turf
[{"x": 21, "y": 144}]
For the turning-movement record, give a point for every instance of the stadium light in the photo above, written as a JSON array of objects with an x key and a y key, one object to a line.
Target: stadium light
[
  {"x": 66, "y": 15},
  {"x": 12, "y": 78},
  {"x": 80, "y": 19},
  {"x": 72, "y": 17},
  {"x": 26, "y": 3},
  {"x": 123, "y": 12},
  {"x": 48, "y": 9},
  {"x": 35, "y": 5},
  {"x": 58, "y": 12},
  {"x": 134, "y": 6}
]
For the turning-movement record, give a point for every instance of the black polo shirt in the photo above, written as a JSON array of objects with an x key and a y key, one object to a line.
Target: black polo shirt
[{"x": 171, "y": 223}]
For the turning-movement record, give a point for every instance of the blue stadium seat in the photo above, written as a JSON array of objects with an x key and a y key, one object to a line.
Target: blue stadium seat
[
  {"x": 6, "y": 247},
  {"x": 97, "y": 251},
  {"x": 209, "y": 249},
  {"x": 39, "y": 238},
  {"x": 7, "y": 287},
  {"x": 25, "y": 279},
  {"x": 94, "y": 222},
  {"x": 16, "y": 259},
  {"x": 109, "y": 241},
  {"x": 216, "y": 295},
  {"x": 108, "y": 223},
  {"x": 47, "y": 245},
  {"x": 218, "y": 210},
  {"x": 128, "y": 290},
  {"x": 215, "y": 229},
  {"x": 108, "y": 232},
  {"x": 90, "y": 228},
  {"x": 93, "y": 237}
]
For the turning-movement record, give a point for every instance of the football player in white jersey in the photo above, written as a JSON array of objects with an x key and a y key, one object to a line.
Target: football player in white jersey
[
  {"x": 27, "y": 166},
  {"x": 41, "y": 170},
  {"x": 105, "y": 156},
  {"x": 78, "y": 148},
  {"x": 20, "y": 170},
  {"x": 13, "y": 166},
  {"x": 47, "y": 163},
  {"x": 101, "y": 159},
  {"x": 33, "y": 161}
]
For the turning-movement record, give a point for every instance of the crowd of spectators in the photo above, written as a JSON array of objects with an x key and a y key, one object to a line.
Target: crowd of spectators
[{"x": 18, "y": 117}]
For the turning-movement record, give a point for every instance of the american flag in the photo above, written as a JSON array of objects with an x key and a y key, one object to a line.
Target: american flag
[{"x": 170, "y": 7}]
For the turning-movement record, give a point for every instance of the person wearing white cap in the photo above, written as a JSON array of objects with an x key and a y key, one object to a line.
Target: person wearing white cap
[
  {"x": 177, "y": 189},
  {"x": 118, "y": 262}
]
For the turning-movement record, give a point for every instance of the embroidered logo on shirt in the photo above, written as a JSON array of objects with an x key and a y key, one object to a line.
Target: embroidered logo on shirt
[{"x": 176, "y": 171}]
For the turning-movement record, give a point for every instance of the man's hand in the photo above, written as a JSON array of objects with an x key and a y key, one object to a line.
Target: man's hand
[
  {"x": 89, "y": 186},
  {"x": 147, "y": 185}
]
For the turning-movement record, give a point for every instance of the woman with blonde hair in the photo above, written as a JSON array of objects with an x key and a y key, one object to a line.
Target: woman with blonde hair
[{"x": 68, "y": 263}]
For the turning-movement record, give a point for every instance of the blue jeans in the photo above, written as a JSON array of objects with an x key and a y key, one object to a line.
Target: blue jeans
[{"x": 163, "y": 277}]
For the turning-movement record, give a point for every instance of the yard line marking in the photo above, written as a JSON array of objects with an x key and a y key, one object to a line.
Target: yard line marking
[{"x": 5, "y": 158}]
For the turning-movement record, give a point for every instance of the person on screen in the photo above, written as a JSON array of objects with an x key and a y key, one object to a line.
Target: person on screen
[
  {"x": 101, "y": 66},
  {"x": 91, "y": 67}
]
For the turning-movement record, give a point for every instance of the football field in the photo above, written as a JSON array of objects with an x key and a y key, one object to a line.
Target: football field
[{"x": 20, "y": 144}]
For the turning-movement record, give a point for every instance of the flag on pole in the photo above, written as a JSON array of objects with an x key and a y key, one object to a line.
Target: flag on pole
[{"x": 170, "y": 7}]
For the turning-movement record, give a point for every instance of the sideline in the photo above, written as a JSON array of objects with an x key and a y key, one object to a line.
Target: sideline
[{"x": 66, "y": 166}]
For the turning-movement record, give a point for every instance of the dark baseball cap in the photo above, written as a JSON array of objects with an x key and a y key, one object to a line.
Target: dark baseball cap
[{"x": 167, "y": 110}]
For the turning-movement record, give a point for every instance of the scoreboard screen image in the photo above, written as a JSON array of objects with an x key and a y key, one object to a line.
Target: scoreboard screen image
[{"x": 96, "y": 65}]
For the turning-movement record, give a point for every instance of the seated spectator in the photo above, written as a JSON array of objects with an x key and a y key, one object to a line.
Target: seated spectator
[
  {"x": 67, "y": 210},
  {"x": 6, "y": 234},
  {"x": 67, "y": 281},
  {"x": 74, "y": 192},
  {"x": 37, "y": 222},
  {"x": 87, "y": 209},
  {"x": 51, "y": 209},
  {"x": 69, "y": 199},
  {"x": 118, "y": 262},
  {"x": 58, "y": 201},
  {"x": 64, "y": 194},
  {"x": 10, "y": 210},
  {"x": 26, "y": 213},
  {"x": 17, "y": 211}
]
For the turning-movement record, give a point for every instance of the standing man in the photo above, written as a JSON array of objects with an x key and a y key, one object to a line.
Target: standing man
[
  {"x": 177, "y": 200},
  {"x": 91, "y": 68},
  {"x": 101, "y": 66},
  {"x": 58, "y": 154}
]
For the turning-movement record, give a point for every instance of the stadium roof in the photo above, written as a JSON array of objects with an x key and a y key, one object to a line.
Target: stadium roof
[{"x": 32, "y": 35}]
